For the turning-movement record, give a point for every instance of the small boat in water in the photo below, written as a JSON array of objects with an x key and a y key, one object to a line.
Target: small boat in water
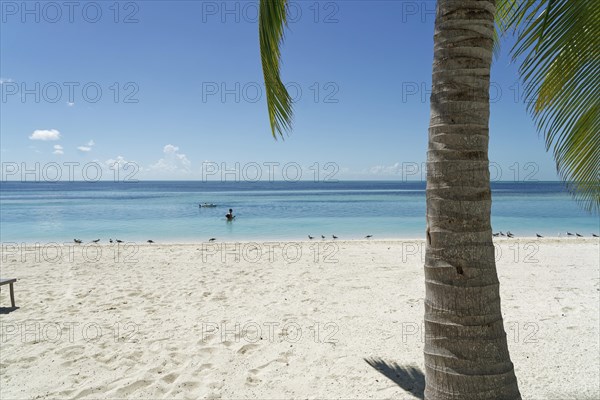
[{"x": 207, "y": 205}]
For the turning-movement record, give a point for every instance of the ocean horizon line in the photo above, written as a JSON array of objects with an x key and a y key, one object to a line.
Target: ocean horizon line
[{"x": 263, "y": 181}]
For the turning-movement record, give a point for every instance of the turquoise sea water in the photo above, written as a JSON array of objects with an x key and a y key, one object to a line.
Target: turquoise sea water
[{"x": 169, "y": 212}]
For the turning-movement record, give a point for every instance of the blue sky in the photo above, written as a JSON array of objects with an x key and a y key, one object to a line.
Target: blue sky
[{"x": 181, "y": 89}]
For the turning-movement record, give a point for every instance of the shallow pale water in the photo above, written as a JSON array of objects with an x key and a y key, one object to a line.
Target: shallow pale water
[{"x": 169, "y": 212}]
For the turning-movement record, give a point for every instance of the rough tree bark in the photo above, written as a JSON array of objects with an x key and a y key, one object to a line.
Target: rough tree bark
[{"x": 466, "y": 352}]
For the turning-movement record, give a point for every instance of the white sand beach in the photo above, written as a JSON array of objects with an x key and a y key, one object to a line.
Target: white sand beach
[{"x": 277, "y": 321}]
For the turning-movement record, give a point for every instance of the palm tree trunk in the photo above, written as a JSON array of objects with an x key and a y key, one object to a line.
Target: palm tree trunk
[{"x": 466, "y": 354}]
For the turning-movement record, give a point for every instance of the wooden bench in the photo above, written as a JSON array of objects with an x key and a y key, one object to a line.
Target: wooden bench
[{"x": 12, "y": 290}]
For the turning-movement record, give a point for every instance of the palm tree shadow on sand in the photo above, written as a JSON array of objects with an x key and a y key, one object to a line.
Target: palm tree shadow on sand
[{"x": 408, "y": 378}]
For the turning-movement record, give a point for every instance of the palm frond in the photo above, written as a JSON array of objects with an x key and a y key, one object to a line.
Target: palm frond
[
  {"x": 271, "y": 24},
  {"x": 504, "y": 9},
  {"x": 558, "y": 42}
]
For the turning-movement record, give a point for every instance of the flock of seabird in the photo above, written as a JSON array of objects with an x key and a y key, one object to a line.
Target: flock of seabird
[
  {"x": 508, "y": 234},
  {"x": 577, "y": 234},
  {"x": 335, "y": 237},
  {"x": 511, "y": 235},
  {"x": 79, "y": 241},
  {"x": 309, "y": 236}
]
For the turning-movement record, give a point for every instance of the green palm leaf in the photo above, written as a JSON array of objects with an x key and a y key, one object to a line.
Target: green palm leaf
[
  {"x": 558, "y": 42},
  {"x": 271, "y": 23}
]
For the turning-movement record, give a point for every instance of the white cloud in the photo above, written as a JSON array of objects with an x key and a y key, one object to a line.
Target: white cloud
[
  {"x": 173, "y": 161},
  {"x": 170, "y": 149},
  {"x": 122, "y": 168},
  {"x": 45, "y": 134},
  {"x": 5, "y": 80},
  {"x": 394, "y": 169},
  {"x": 117, "y": 163},
  {"x": 183, "y": 159},
  {"x": 70, "y": 104},
  {"x": 112, "y": 161},
  {"x": 407, "y": 170},
  {"x": 58, "y": 150},
  {"x": 87, "y": 147}
]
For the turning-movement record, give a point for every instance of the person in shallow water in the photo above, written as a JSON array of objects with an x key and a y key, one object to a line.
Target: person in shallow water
[{"x": 229, "y": 216}]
